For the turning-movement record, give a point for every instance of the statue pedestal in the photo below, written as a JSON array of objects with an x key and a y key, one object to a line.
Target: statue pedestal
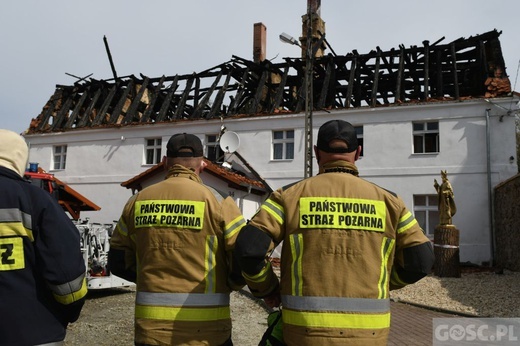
[{"x": 446, "y": 249}]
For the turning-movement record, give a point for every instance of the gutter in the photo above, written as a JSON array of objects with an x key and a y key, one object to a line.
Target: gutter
[{"x": 490, "y": 189}]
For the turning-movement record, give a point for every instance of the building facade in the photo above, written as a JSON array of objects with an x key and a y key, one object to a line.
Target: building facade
[
  {"x": 417, "y": 110},
  {"x": 404, "y": 149}
]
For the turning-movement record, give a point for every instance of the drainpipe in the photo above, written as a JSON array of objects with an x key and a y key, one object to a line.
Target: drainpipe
[{"x": 490, "y": 189}]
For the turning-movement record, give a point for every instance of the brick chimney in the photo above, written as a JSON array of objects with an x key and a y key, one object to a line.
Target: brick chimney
[{"x": 259, "y": 42}]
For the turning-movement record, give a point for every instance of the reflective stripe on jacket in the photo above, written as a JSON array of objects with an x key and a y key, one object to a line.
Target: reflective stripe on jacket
[
  {"x": 178, "y": 236},
  {"x": 42, "y": 271},
  {"x": 342, "y": 237}
]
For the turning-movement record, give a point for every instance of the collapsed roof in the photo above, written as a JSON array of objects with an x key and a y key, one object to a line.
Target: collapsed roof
[{"x": 465, "y": 68}]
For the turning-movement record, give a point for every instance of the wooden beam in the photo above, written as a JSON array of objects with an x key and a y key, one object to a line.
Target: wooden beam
[
  {"x": 51, "y": 105},
  {"x": 167, "y": 101},
  {"x": 150, "y": 107},
  {"x": 77, "y": 108},
  {"x": 351, "y": 81},
  {"x": 86, "y": 115},
  {"x": 259, "y": 92},
  {"x": 204, "y": 103},
  {"x": 58, "y": 119},
  {"x": 121, "y": 102},
  {"x": 426, "y": 70},
  {"x": 103, "y": 110},
  {"x": 132, "y": 110},
  {"x": 455, "y": 72},
  {"x": 375, "y": 81},
  {"x": 326, "y": 84},
  {"x": 217, "y": 103},
  {"x": 278, "y": 97},
  {"x": 236, "y": 101}
]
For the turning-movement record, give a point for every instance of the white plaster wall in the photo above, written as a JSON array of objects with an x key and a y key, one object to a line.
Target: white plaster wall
[{"x": 98, "y": 160}]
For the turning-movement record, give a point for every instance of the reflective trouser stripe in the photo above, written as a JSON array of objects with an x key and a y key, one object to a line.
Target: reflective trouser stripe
[
  {"x": 296, "y": 243},
  {"x": 336, "y": 320},
  {"x": 386, "y": 249},
  {"x": 182, "y": 314},
  {"x": 184, "y": 299},
  {"x": 339, "y": 304}
]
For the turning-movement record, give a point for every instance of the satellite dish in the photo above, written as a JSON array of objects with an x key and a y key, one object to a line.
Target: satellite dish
[{"x": 229, "y": 142}]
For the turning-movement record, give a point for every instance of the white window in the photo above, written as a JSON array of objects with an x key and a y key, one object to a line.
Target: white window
[
  {"x": 359, "y": 135},
  {"x": 213, "y": 151},
  {"x": 283, "y": 145},
  {"x": 426, "y": 137},
  {"x": 153, "y": 151},
  {"x": 426, "y": 212},
  {"x": 59, "y": 157}
]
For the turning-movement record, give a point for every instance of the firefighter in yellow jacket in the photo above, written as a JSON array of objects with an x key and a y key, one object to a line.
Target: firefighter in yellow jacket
[
  {"x": 346, "y": 243},
  {"x": 175, "y": 240}
]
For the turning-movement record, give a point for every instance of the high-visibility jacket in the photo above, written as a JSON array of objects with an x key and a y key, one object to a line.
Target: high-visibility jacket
[
  {"x": 42, "y": 271},
  {"x": 178, "y": 235},
  {"x": 346, "y": 243}
]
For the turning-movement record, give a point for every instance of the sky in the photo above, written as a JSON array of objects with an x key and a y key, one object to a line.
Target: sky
[{"x": 42, "y": 42}]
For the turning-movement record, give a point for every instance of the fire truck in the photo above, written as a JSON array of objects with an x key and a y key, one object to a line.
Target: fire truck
[{"x": 94, "y": 237}]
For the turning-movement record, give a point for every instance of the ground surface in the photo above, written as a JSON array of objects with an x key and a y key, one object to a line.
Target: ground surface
[
  {"x": 107, "y": 317},
  {"x": 107, "y": 320}
]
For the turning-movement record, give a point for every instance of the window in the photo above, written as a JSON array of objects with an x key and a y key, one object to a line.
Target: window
[
  {"x": 359, "y": 135},
  {"x": 283, "y": 145},
  {"x": 426, "y": 212},
  {"x": 213, "y": 151},
  {"x": 59, "y": 157},
  {"x": 426, "y": 137},
  {"x": 153, "y": 151}
]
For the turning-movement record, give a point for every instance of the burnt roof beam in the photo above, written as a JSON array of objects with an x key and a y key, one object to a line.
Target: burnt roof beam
[
  {"x": 150, "y": 107},
  {"x": 168, "y": 100},
  {"x": 77, "y": 108},
  {"x": 132, "y": 110}
]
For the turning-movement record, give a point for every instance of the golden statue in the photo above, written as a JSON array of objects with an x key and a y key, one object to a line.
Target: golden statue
[{"x": 446, "y": 204}]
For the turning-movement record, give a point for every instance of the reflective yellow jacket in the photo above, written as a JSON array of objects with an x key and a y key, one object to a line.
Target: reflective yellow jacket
[
  {"x": 178, "y": 236},
  {"x": 344, "y": 248}
]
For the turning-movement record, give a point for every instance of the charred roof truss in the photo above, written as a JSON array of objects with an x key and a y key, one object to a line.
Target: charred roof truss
[{"x": 240, "y": 87}]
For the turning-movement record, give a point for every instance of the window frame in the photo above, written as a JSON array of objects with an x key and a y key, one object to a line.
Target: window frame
[
  {"x": 360, "y": 138},
  {"x": 211, "y": 144},
  {"x": 426, "y": 135},
  {"x": 286, "y": 142},
  {"x": 156, "y": 149},
  {"x": 430, "y": 209},
  {"x": 61, "y": 163}
]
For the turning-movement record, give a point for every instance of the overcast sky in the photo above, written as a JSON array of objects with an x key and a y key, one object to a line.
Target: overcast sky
[{"x": 42, "y": 41}]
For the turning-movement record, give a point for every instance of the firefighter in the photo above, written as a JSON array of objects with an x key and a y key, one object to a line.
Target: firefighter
[
  {"x": 175, "y": 240},
  {"x": 346, "y": 243},
  {"x": 42, "y": 271}
]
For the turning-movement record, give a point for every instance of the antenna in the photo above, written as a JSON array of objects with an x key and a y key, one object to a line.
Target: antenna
[{"x": 229, "y": 142}]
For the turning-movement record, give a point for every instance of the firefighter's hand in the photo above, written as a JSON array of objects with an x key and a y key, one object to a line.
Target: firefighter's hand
[{"x": 274, "y": 300}]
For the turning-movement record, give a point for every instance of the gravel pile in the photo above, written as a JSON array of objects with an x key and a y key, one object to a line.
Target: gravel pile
[{"x": 484, "y": 294}]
